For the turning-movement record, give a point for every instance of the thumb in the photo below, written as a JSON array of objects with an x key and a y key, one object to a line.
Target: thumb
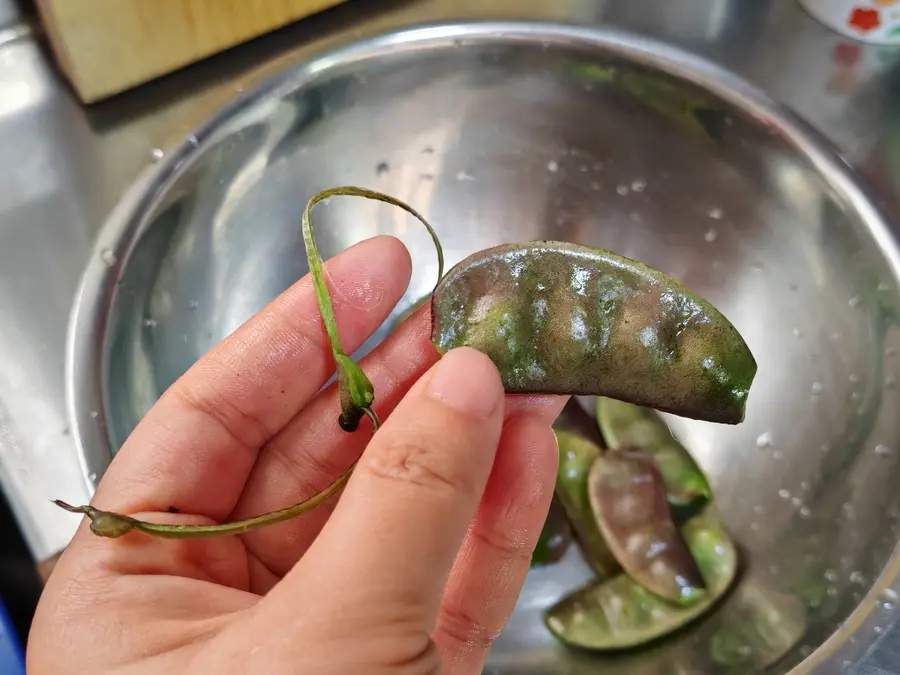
[{"x": 391, "y": 542}]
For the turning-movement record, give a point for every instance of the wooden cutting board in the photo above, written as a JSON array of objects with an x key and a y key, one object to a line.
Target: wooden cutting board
[{"x": 107, "y": 46}]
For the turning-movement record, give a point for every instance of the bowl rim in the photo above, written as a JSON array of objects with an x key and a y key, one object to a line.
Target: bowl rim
[{"x": 87, "y": 326}]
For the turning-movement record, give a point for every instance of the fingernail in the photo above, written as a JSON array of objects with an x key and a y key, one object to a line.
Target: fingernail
[{"x": 467, "y": 380}]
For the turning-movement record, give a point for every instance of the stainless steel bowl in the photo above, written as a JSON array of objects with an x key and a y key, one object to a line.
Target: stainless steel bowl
[{"x": 505, "y": 132}]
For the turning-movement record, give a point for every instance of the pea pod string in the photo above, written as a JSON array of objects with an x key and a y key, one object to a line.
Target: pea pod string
[{"x": 356, "y": 394}]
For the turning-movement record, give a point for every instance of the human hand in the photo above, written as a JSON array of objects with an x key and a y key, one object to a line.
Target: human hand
[{"x": 414, "y": 569}]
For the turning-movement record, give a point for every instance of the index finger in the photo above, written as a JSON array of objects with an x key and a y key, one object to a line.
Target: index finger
[{"x": 196, "y": 446}]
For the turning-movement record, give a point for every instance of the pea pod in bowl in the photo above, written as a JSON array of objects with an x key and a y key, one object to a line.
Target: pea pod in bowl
[
  {"x": 624, "y": 424},
  {"x": 619, "y": 613}
]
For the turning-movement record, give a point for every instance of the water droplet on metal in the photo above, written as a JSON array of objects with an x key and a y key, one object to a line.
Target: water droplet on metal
[
  {"x": 831, "y": 575},
  {"x": 817, "y": 388},
  {"x": 777, "y": 455},
  {"x": 622, "y": 190},
  {"x": 184, "y": 338},
  {"x": 94, "y": 414},
  {"x": 754, "y": 526},
  {"x": 464, "y": 175},
  {"x": 764, "y": 440},
  {"x": 552, "y": 166},
  {"x": 878, "y": 630},
  {"x": 150, "y": 323},
  {"x": 889, "y": 598},
  {"x": 882, "y": 450},
  {"x": 835, "y": 336},
  {"x": 758, "y": 508},
  {"x": 854, "y": 377},
  {"x": 784, "y": 494},
  {"x": 715, "y": 213},
  {"x": 856, "y": 577},
  {"x": 108, "y": 257},
  {"x": 884, "y": 287},
  {"x": 639, "y": 185},
  {"x": 595, "y": 186},
  {"x": 92, "y": 476},
  {"x": 796, "y": 501},
  {"x": 804, "y": 485},
  {"x": 193, "y": 304},
  {"x": 796, "y": 332},
  {"x": 157, "y": 154},
  {"x": 711, "y": 235},
  {"x": 805, "y": 512},
  {"x": 855, "y": 301},
  {"x": 382, "y": 169}
]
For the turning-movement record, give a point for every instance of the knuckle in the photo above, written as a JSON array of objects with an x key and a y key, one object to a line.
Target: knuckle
[
  {"x": 502, "y": 545},
  {"x": 244, "y": 428},
  {"x": 461, "y": 628},
  {"x": 412, "y": 462}
]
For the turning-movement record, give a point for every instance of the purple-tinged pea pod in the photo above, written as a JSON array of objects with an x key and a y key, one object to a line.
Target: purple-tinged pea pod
[
  {"x": 627, "y": 425},
  {"x": 576, "y": 456},
  {"x": 555, "y": 537},
  {"x": 620, "y": 613},
  {"x": 628, "y": 499},
  {"x": 562, "y": 318}
]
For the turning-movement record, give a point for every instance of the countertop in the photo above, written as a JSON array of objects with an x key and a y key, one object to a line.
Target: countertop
[{"x": 63, "y": 166}]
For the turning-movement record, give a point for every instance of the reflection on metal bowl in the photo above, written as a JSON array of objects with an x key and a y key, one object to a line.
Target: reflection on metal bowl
[{"x": 503, "y": 132}]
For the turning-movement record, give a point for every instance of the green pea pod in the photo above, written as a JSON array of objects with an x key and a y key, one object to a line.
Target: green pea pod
[
  {"x": 625, "y": 425},
  {"x": 758, "y": 628},
  {"x": 576, "y": 455},
  {"x": 620, "y": 613},
  {"x": 561, "y": 318},
  {"x": 556, "y": 535},
  {"x": 628, "y": 499}
]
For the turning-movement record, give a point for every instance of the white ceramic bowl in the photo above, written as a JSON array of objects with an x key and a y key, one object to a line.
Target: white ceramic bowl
[{"x": 874, "y": 21}]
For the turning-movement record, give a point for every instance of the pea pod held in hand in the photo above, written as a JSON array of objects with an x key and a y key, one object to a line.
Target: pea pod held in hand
[
  {"x": 561, "y": 318},
  {"x": 619, "y": 613},
  {"x": 626, "y": 425},
  {"x": 554, "y": 317},
  {"x": 628, "y": 499}
]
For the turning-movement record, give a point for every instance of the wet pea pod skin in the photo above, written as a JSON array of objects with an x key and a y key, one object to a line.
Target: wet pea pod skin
[
  {"x": 562, "y": 318},
  {"x": 576, "y": 456},
  {"x": 626, "y": 425},
  {"x": 619, "y": 613},
  {"x": 628, "y": 498}
]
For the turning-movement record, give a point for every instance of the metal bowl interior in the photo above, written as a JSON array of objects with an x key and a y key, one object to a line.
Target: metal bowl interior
[{"x": 510, "y": 132}]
